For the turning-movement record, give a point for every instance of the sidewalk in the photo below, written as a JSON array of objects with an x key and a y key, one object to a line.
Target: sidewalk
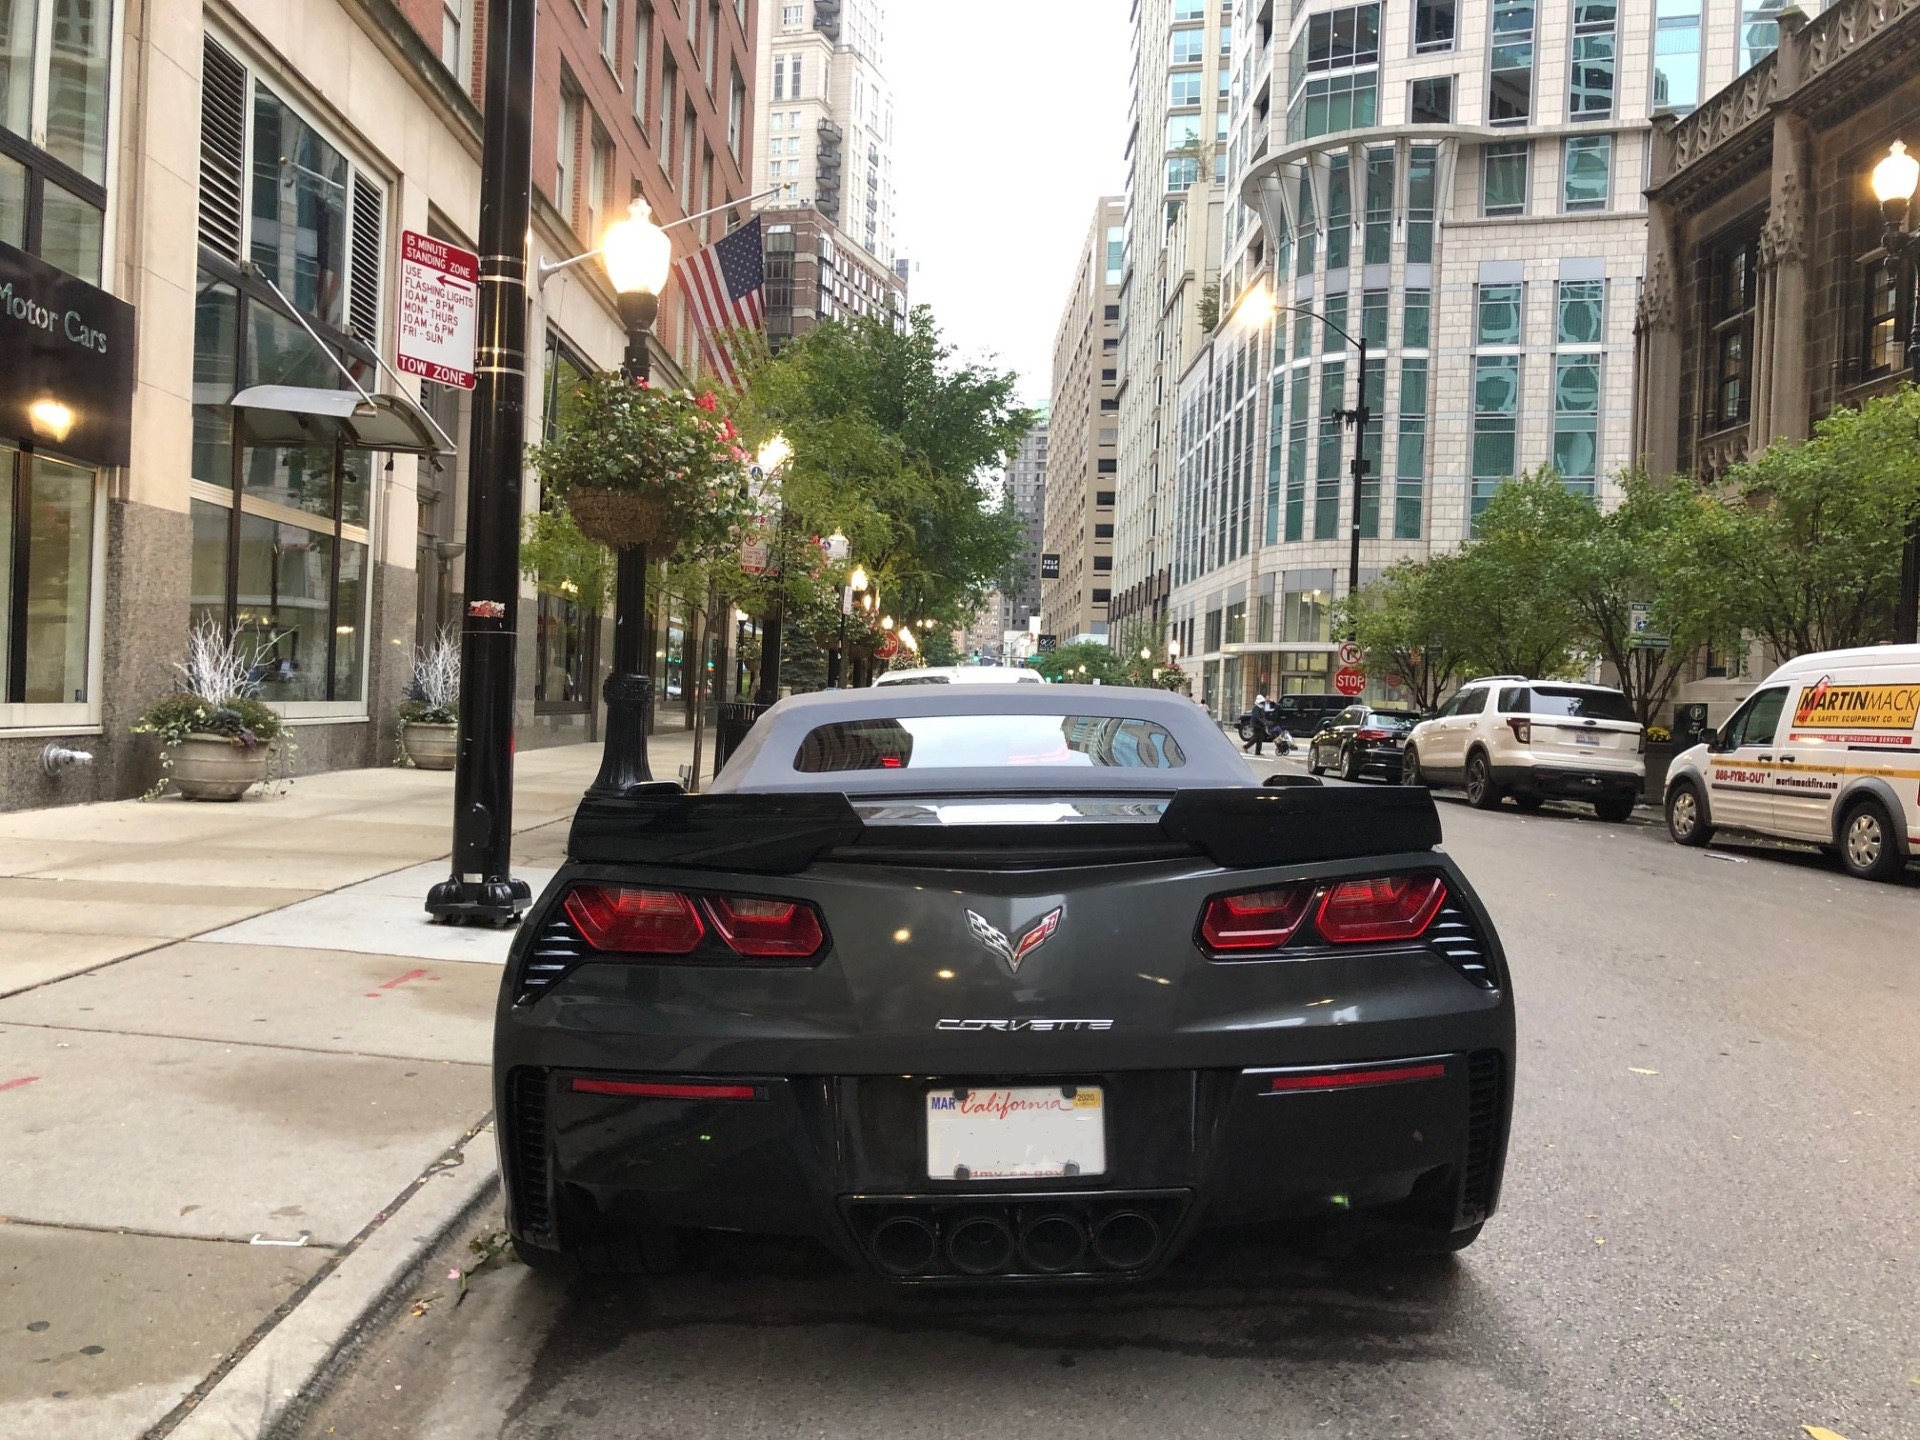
[{"x": 230, "y": 1044}]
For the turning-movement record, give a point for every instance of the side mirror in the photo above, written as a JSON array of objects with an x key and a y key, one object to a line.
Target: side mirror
[{"x": 1710, "y": 738}]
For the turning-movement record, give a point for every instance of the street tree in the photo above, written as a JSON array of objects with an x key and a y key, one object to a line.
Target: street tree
[
  {"x": 1066, "y": 663},
  {"x": 1814, "y": 533},
  {"x": 1511, "y": 618},
  {"x": 1407, "y": 623}
]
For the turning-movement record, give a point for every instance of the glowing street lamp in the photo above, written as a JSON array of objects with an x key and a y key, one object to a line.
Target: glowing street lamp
[{"x": 1894, "y": 180}]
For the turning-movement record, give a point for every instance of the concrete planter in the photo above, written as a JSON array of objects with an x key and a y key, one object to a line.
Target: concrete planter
[
  {"x": 1659, "y": 757},
  {"x": 430, "y": 747},
  {"x": 211, "y": 767}
]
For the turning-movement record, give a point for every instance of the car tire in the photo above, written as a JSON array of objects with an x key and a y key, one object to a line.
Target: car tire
[
  {"x": 1410, "y": 768},
  {"x": 1246, "y": 733},
  {"x": 557, "y": 1263},
  {"x": 1687, "y": 815},
  {"x": 1868, "y": 849},
  {"x": 1614, "y": 809},
  {"x": 1529, "y": 803},
  {"x": 1313, "y": 761},
  {"x": 1349, "y": 765},
  {"x": 1482, "y": 793}
]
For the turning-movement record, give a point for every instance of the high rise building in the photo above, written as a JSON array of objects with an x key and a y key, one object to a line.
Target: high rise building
[
  {"x": 1176, "y": 143},
  {"x": 825, "y": 115},
  {"x": 1461, "y": 189},
  {"x": 1076, "y": 576},
  {"x": 1026, "y": 492},
  {"x": 814, "y": 273}
]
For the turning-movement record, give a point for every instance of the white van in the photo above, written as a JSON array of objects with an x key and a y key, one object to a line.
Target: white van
[
  {"x": 1827, "y": 751},
  {"x": 963, "y": 675}
]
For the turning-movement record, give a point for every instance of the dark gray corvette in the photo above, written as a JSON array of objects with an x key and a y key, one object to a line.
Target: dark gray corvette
[{"x": 999, "y": 982}]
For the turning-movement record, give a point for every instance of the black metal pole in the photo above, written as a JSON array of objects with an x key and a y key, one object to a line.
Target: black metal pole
[
  {"x": 1906, "y": 620},
  {"x": 480, "y": 887},
  {"x": 1360, "y": 415},
  {"x": 629, "y": 688},
  {"x": 839, "y": 656},
  {"x": 769, "y": 691}
]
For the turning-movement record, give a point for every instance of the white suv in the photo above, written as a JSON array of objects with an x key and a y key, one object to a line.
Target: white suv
[{"x": 1530, "y": 739}]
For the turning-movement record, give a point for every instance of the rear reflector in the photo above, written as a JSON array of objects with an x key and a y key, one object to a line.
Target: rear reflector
[
  {"x": 657, "y": 1090},
  {"x": 1385, "y": 908},
  {"x": 783, "y": 928},
  {"x": 1256, "y": 920},
  {"x": 631, "y": 921},
  {"x": 1353, "y": 1079}
]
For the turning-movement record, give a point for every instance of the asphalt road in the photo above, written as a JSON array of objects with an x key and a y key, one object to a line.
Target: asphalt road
[{"x": 1709, "y": 1229}]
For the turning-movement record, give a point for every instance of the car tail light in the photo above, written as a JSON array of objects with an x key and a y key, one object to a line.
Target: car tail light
[
  {"x": 663, "y": 1090},
  {"x": 1522, "y": 730},
  {"x": 786, "y": 929},
  {"x": 631, "y": 921},
  {"x": 1255, "y": 919},
  {"x": 1372, "y": 737},
  {"x": 1388, "y": 907}
]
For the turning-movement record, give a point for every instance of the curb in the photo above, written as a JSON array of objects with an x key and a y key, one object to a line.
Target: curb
[{"x": 258, "y": 1392}]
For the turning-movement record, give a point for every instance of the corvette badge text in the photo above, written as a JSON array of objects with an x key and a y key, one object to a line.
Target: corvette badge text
[{"x": 1009, "y": 1026}]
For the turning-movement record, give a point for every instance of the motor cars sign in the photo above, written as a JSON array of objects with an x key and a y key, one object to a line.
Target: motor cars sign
[
  {"x": 1349, "y": 681},
  {"x": 439, "y": 288}
]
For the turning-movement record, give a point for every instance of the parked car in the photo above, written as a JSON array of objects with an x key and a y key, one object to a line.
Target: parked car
[
  {"x": 1296, "y": 714},
  {"x": 1531, "y": 739},
  {"x": 1361, "y": 740},
  {"x": 1824, "y": 751},
  {"x": 963, "y": 675}
]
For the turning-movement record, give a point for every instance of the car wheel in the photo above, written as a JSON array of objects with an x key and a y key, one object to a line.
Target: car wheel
[
  {"x": 1687, "y": 815},
  {"x": 1246, "y": 733},
  {"x": 1868, "y": 849},
  {"x": 1313, "y": 758},
  {"x": 557, "y": 1263},
  {"x": 1350, "y": 765},
  {"x": 1614, "y": 809},
  {"x": 1410, "y": 768},
  {"x": 1482, "y": 793},
  {"x": 1529, "y": 802}
]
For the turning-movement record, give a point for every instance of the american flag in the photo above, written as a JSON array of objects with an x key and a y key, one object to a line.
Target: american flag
[{"x": 727, "y": 286}]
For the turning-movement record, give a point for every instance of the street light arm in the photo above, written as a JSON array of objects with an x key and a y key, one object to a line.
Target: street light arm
[
  {"x": 1315, "y": 314},
  {"x": 554, "y": 267}
]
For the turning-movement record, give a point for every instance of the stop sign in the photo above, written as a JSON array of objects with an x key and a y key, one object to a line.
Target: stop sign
[{"x": 1349, "y": 681}]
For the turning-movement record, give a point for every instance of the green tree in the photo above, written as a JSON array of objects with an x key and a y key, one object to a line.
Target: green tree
[
  {"x": 1811, "y": 547},
  {"x": 1407, "y": 623},
  {"x": 1512, "y": 616},
  {"x": 1064, "y": 664}
]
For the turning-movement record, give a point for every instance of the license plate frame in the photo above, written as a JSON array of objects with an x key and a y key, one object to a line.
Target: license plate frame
[{"x": 979, "y": 1132}]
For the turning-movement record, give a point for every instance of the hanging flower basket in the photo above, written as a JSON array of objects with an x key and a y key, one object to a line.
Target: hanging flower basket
[{"x": 619, "y": 521}]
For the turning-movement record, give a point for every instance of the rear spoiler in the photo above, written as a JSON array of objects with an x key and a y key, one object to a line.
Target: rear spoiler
[{"x": 781, "y": 833}]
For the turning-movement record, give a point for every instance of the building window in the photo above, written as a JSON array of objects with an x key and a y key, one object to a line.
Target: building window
[
  {"x": 669, "y": 76},
  {"x": 610, "y": 31},
  {"x": 1339, "y": 40},
  {"x": 1327, "y": 104},
  {"x": 1183, "y": 89},
  {"x": 1503, "y": 178},
  {"x": 1103, "y": 499},
  {"x": 1306, "y": 607},
  {"x": 1415, "y": 310},
  {"x": 1885, "y": 308},
  {"x": 454, "y": 29},
  {"x": 1378, "y": 234},
  {"x": 792, "y": 17},
  {"x": 1497, "y": 311},
  {"x": 1182, "y": 172},
  {"x": 1510, "y": 63},
  {"x": 1582, "y": 304},
  {"x": 642, "y": 59},
  {"x": 1590, "y": 87},
  {"x": 599, "y": 176},
  {"x": 736, "y": 111},
  {"x": 1430, "y": 101},
  {"x": 1734, "y": 287},
  {"x": 1496, "y": 405},
  {"x": 53, "y": 90},
  {"x": 1410, "y": 451},
  {"x": 1339, "y": 231},
  {"x": 1421, "y": 163},
  {"x": 1676, "y": 55},
  {"x": 1759, "y": 32},
  {"x": 566, "y": 148},
  {"x": 1432, "y": 25},
  {"x": 1183, "y": 132},
  {"x": 47, "y": 517},
  {"x": 1297, "y": 415},
  {"x": 1588, "y": 172},
  {"x": 1327, "y": 462},
  {"x": 1576, "y": 420},
  {"x": 1189, "y": 46}
]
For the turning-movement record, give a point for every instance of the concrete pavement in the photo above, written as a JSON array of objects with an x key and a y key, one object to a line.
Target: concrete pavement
[{"x": 231, "y": 1046}]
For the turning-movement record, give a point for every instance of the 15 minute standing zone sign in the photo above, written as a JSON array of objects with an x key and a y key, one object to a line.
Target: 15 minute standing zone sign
[{"x": 438, "y": 293}]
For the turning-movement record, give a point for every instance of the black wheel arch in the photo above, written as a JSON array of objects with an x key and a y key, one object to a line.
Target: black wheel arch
[{"x": 1872, "y": 787}]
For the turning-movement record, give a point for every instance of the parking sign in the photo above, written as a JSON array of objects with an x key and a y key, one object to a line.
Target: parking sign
[{"x": 439, "y": 288}]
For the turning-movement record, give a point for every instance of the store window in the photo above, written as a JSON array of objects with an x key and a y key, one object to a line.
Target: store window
[
  {"x": 54, "y": 82},
  {"x": 47, "y": 524},
  {"x": 1306, "y": 604}
]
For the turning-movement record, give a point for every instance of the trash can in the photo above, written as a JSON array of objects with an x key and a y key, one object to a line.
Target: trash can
[{"x": 731, "y": 724}]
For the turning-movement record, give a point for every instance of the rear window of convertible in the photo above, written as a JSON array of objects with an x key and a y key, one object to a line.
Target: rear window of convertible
[{"x": 949, "y": 742}]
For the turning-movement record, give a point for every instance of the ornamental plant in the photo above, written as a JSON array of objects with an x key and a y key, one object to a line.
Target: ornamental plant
[
  {"x": 433, "y": 697},
  {"x": 214, "y": 695},
  {"x": 637, "y": 465}
]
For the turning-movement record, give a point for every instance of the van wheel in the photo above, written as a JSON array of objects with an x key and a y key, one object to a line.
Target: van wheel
[
  {"x": 1482, "y": 793},
  {"x": 1687, "y": 815},
  {"x": 1867, "y": 845}
]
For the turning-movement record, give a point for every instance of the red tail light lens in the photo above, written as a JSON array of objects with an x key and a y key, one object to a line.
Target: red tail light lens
[
  {"x": 1372, "y": 737},
  {"x": 1255, "y": 920},
  {"x": 1389, "y": 907},
  {"x": 1522, "y": 730},
  {"x": 782, "y": 929},
  {"x": 631, "y": 921}
]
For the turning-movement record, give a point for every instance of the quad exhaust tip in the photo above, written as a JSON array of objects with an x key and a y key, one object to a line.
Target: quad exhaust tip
[
  {"x": 1043, "y": 1241},
  {"x": 1053, "y": 1242},
  {"x": 1125, "y": 1239},
  {"x": 980, "y": 1245},
  {"x": 904, "y": 1245}
]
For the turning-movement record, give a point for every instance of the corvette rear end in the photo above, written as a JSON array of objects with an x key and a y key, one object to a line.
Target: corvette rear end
[{"x": 959, "y": 1033}]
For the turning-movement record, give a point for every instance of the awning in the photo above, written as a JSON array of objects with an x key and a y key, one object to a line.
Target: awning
[{"x": 295, "y": 415}]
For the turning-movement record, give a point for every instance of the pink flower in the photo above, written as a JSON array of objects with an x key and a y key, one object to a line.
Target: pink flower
[{"x": 706, "y": 401}]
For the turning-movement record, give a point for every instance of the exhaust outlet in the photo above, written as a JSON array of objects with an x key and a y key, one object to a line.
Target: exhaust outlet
[
  {"x": 1125, "y": 1239},
  {"x": 1053, "y": 1242},
  {"x": 980, "y": 1245},
  {"x": 903, "y": 1245}
]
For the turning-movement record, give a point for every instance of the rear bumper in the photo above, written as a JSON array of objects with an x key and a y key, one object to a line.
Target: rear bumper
[
  {"x": 842, "y": 1159},
  {"x": 1382, "y": 757},
  {"x": 1569, "y": 782}
]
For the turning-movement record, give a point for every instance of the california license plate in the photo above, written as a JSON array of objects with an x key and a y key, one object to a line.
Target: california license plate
[{"x": 1016, "y": 1133}]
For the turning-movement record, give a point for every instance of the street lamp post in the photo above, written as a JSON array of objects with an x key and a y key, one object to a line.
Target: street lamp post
[
  {"x": 775, "y": 453},
  {"x": 836, "y": 663},
  {"x": 1355, "y": 419},
  {"x": 1894, "y": 181},
  {"x": 480, "y": 887}
]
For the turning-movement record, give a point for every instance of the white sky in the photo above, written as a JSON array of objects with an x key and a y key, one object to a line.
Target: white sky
[{"x": 1009, "y": 119}]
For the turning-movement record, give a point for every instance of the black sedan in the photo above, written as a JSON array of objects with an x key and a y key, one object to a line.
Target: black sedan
[
  {"x": 996, "y": 984},
  {"x": 1362, "y": 740}
]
